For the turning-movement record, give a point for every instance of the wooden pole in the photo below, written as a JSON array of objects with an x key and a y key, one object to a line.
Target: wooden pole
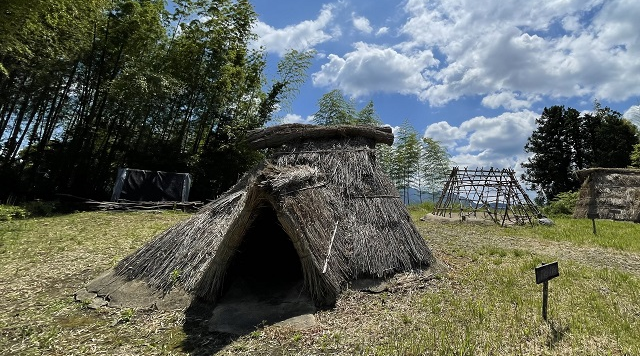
[
  {"x": 545, "y": 297},
  {"x": 594, "y": 226},
  {"x": 326, "y": 261}
]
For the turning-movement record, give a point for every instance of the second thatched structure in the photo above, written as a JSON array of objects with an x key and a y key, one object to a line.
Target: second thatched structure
[
  {"x": 319, "y": 211},
  {"x": 609, "y": 193}
]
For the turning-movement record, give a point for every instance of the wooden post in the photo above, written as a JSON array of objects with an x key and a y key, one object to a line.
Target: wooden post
[
  {"x": 544, "y": 273},
  {"x": 545, "y": 298},
  {"x": 593, "y": 217}
]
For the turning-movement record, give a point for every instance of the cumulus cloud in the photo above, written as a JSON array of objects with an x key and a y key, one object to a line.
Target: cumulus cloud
[
  {"x": 382, "y": 31},
  {"x": 507, "y": 100},
  {"x": 553, "y": 49},
  {"x": 487, "y": 142},
  {"x": 508, "y": 46},
  {"x": 361, "y": 23},
  {"x": 446, "y": 134},
  {"x": 370, "y": 68},
  {"x": 633, "y": 114},
  {"x": 295, "y": 119},
  {"x": 302, "y": 36}
]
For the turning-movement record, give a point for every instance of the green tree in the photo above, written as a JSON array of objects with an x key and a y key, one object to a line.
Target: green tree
[
  {"x": 292, "y": 70},
  {"x": 367, "y": 115},
  {"x": 334, "y": 109},
  {"x": 614, "y": 140},
  {"x": 565, "y": 141},
  {"x": 548, "y": 170},
  {"x": 635, "y": 156},
  {"x": 406, "y": 160},
  {"x": 385, "y": 158},
  {"x": 87, "y": 87},
  {"x": 434, "y": 167}
]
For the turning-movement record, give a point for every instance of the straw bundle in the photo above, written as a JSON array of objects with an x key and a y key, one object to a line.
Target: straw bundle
[{"x": 609, "y": 193}]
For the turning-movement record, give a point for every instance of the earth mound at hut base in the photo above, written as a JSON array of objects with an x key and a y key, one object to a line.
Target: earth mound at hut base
[
  {"x": 242, "y": 309},
  {"x": 112, "y": 290}
]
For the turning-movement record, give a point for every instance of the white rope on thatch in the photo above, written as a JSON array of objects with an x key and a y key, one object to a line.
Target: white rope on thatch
[{"x": 326, "y": 260}]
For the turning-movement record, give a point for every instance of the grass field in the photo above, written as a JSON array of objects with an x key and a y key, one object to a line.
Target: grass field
[{"x": 486, "y": 303}]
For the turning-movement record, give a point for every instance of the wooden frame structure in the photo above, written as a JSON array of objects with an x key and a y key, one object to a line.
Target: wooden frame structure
[{"x": 487, "y": 193}]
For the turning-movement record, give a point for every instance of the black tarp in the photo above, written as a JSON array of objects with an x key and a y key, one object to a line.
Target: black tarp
[{"x": 143, "y": 185}]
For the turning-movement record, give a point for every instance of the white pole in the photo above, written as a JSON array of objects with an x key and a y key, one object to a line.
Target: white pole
[{"x": 326, "y": 261}]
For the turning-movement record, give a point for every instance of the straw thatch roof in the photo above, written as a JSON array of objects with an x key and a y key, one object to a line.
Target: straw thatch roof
[
  {"x": 609, "y": 193},
  {"x": 321, "y": 189}
]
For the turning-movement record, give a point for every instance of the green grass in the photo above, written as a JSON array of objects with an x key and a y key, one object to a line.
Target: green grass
[
  {"x": 624, "y": 236},
  {"x": 612, "y": 234},
  {"x": 486, "y": 303}
]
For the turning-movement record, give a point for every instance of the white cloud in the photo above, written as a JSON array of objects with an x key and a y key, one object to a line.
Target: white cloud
[
  {"x": 361, "y": 23},
  {"x": 633, "y": 115},
  {"x": 487, "y": 142},
  {"x": 382, "y": 31},
  {"x": 571, "y": 23},
  {"x": 556, "y": 49},
  {"x": 370, "y": 68},
  {"x": 295, "y": 119},
  {"x": 507, "y": 100},
  {"x": 302, "y": 36},
  {"x": 446, "y": 134}
]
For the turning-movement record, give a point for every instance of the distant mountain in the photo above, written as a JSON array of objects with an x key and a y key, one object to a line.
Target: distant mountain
[{"x": 414, "y": 196}]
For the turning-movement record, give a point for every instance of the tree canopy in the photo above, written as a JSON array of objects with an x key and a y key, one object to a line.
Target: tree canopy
[
  {"x": 415, "y": 164},
  {"x": 87, "y": 87},
  {"x": 334, "y": 109},
  {"x": 412, "y": 162},
  {"x": 565, "y": 141}
]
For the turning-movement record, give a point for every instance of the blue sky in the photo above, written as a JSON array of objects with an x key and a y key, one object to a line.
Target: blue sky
[{"x": 471, "y": 74}]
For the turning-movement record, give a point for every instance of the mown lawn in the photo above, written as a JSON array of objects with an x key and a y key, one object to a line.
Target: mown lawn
[{"x": 485, "y": 303}]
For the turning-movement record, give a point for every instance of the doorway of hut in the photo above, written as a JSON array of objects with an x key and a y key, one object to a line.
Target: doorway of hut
[{"x": 264, "y": 283}]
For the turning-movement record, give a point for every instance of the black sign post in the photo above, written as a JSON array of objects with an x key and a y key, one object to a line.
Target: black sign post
[{"x": 544, "y": 273}]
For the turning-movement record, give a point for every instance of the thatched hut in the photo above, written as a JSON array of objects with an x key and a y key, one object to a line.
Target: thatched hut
[
  {"x": 319, "y": 212},
  {"x": 609, "y": 193}
]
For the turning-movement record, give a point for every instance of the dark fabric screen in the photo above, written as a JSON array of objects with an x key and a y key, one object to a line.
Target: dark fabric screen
[{"x": 142, "y": 185}]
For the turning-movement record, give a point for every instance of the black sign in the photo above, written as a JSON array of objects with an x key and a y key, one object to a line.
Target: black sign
[{"x": 547, "y": 272}]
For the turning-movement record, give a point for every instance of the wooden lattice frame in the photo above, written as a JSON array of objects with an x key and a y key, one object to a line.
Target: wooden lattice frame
[{"x": 493, "y": 194}]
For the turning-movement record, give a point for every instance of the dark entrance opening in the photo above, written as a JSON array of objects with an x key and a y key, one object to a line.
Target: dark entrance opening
[
  {"x": 264, "y": 282},
  {"x": 266, "y": 260}
]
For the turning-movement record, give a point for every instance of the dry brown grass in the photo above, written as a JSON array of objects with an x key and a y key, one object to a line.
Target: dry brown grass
[{"x": 486, "y": 304}]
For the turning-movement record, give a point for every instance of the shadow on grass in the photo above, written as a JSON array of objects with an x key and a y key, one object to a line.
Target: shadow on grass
[
  {"x": 557, "y": 332},
  {"x": 199, "y": 339}
]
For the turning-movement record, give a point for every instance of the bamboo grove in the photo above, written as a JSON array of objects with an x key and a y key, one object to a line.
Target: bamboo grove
[
  {"x": 418, "y": 166},
  {"x": 90, "y": 86}
]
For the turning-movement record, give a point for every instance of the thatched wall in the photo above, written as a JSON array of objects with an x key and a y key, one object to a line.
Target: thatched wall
[
  {"x": 609, "y": 193},
  {"x": 342, "y": 214}
]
